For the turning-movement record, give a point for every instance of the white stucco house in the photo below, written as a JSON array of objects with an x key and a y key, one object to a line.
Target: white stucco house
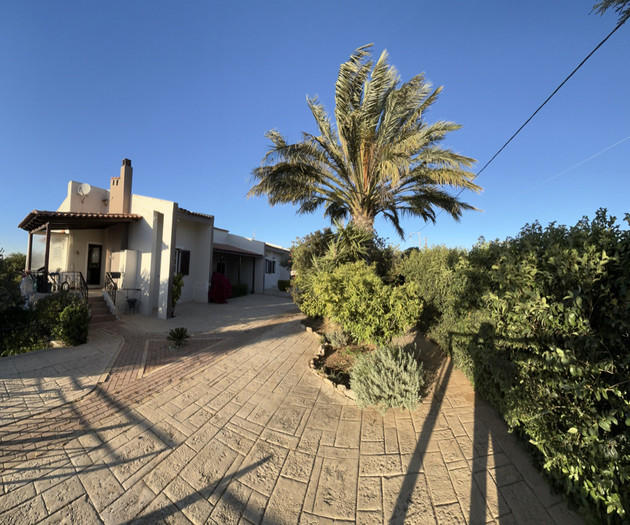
[
  {"x": 242, "y": 260},
  {"x": 140, "y": 241},
  {"x": 99, "y": 236}
]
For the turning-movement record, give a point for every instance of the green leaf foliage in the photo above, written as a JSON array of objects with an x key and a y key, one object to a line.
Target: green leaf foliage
[
  {"x": 11, "y": 267},
  {"x": 389, "y": 377},
  {"x": 178, "y": 336},
  {"x": 73, "y": 325},
  {"x": 61, "y": 315},
  {"x": 541, "y": 324},
  {"x": 176, "y": 292},
  {"x": 377, "y": 156},
  {"x": 354, "y": 297},
  {"x": 49, "y": 309}
]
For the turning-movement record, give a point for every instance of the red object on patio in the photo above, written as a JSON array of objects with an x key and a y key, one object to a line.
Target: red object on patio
[{"x": 220, "y": 288}]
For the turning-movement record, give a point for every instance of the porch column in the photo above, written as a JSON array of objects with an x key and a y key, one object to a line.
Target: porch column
[
  {"x": 29, "y": 252},
  {"x": 47, "y": 252},
  {"x": 46, "y": 257}
]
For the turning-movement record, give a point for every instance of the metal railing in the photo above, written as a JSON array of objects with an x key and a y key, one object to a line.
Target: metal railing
[
  {"x": 74, "y": 281},
  {"x": 52, "y": 282},
  {"x": 110, "y": 285}
]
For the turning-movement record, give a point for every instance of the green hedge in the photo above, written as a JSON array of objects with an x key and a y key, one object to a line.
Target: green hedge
[{"x": 541, "y": 325}]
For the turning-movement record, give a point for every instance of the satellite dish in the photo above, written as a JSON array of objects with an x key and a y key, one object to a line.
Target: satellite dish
[{"x": 84, "y": 189}]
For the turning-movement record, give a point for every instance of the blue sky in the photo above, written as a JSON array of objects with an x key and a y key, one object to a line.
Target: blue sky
[{"x": 187, "y": 90}]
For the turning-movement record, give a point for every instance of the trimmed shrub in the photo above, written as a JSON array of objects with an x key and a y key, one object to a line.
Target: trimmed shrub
[
  {"x": 239, "y": 290},
  {"x": 48, "y": 311},
  {"x": 74, "y": 321},
  {"x": 389, "y": 377},
  {"x": 354, "y": 297},
  {"x": 284, "y": 284},
  {"x": 62, "y": 315}
]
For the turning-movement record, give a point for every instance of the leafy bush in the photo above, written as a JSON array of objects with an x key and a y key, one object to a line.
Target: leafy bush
[
  {"x": 323, "y": 251},
  {"x": 541, "y": 324},
  {"x": 61, "y": 315},
  {"x": 48, "y": 311},
  {"x": 10, "y": 268},
  {"x": 176, "y": 293},
  {"x": 284, "y": 285},
  {"x": 19, "y": 332},
  {"x": 389, "y": 377},
  {"x": 239, "y": 290},
  {"x": 178, "y": 336},
  {"x": 354, "y": 297},
  {"x": 434, "y": 271},
  {"x": 308, "y": 248},
  {"x": 73, "y": 324}
]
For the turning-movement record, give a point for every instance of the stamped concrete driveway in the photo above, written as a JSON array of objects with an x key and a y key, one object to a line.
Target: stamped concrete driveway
[{"x": 238, "y": 429}]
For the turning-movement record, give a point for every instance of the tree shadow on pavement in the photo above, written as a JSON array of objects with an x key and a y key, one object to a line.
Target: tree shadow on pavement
[
  {"x": 229, "y": 498},
  {"x": 477, "y": 487}
]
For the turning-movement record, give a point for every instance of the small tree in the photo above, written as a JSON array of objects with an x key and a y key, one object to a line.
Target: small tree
[{"x": 176, "y": 295}]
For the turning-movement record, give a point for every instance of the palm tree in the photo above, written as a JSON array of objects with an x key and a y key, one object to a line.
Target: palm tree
[{"x": 382, "y": 158}]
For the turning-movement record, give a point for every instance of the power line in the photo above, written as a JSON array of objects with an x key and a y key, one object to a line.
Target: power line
[
  {"x": 546, "y": 181},
  {"x": 538, "y": 109}
]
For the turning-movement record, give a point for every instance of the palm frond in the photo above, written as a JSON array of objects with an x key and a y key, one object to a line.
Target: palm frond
[{"x": 378, "y": 155}]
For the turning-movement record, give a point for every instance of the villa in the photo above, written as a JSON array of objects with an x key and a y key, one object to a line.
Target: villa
[{"x": 112, "y": 239}]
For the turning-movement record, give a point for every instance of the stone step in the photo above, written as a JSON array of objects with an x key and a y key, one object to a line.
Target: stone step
[
  {"x": 98, "y": 306},
  {"x": 103, "y": 318}
]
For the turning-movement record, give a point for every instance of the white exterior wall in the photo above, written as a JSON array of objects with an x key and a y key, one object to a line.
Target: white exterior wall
[
  {"x": 278, "y": 255},
  {"x": 96, "y": 201},
  {"x": 196, "y": 237},
  {"x": 78, "y": 250},
  {"x": 259, "y": 286},
  {"x": 153, "y": 238},
  {"x": 251, "y": 245}
]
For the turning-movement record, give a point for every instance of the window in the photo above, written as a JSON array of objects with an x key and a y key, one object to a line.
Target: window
[
  {"x": 270, "y": 266},
  {"x": 182, "y": 261}
]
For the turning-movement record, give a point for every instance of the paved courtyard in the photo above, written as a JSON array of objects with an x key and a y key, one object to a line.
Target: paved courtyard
[{"x": 237, "y": 429}]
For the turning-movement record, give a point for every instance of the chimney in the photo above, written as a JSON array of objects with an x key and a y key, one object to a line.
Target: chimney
[{"x": 120, "y": 189}]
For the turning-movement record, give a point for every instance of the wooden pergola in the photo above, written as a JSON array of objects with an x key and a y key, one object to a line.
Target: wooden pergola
[{"x": 49, "y": 221}]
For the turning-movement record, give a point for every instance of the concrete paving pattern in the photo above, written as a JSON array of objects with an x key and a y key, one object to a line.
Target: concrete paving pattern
[{"x": 238, "y": 429}]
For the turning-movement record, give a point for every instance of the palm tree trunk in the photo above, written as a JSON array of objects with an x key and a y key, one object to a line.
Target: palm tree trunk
[{"x": 363, "y": 222}]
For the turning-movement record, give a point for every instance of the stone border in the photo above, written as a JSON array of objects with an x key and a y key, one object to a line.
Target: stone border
[{"x": 338, "y": 387}]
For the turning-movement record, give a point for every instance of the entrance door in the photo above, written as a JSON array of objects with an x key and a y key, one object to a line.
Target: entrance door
[{"x": 94, "y": 264}]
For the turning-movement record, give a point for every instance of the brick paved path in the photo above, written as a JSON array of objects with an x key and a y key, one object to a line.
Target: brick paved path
[
  {"x": 241, "y": 431},
  {"x": 32, "y": 383}
]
